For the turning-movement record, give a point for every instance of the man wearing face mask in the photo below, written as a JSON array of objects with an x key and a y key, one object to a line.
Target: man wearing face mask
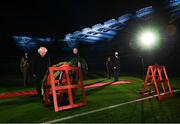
[
  {"x": 116, "y": 66},
  {"x": 40, "y": 65}
]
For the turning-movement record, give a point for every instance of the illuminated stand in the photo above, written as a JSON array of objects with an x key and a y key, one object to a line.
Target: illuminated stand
[
  {"x": 174, "y": 9},
  {"x": 156, "y": 76},
  {"x": 64, "y": 83},
  {"x": 28, "y": 44},
  {"x": 108, "y": 30}
]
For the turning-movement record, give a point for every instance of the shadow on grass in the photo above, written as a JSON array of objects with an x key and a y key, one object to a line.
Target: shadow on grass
[
  {"x": 20, "y": 101},
  {"x": 151, "y": 107},
  {"x": 154, "y": 111},
  {"x": 132, "y": 113},
  {"x": 142, "y": 112}
]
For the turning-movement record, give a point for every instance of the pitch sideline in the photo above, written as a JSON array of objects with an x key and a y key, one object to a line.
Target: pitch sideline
[{"x": 102, "y": 109}]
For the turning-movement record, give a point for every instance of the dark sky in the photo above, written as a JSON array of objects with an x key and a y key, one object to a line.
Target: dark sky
[{"x": 59, "y": 17}]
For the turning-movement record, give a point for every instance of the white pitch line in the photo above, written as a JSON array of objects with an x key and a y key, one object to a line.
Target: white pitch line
[{"x": 102, "y": 109}]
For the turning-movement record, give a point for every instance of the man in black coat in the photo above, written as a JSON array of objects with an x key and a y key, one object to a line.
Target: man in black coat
[
  {"x": 116, "y": 66},
  {"x": 109, "y": 67},
  {"x": 40, "y": 65},
  {"x": 79, "y": 61}
]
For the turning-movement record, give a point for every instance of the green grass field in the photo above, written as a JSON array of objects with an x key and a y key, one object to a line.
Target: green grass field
[{"x": 31, "y": 109}]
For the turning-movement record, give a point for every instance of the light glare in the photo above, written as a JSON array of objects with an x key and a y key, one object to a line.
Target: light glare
[{"x": 147, "y": 38}]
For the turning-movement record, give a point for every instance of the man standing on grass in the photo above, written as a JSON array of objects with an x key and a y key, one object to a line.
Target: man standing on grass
[
  {"x": 116, "y": 66},
  {"x": 24, "y": 67},
  {"x": 109, "y": 67},
  {"x": 40, "y": 65},
  {"x": 79, "y": 62}
]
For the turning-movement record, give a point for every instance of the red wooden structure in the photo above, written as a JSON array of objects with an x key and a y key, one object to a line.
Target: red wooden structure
[
  {"x": 64, "y": 85},
  {"x": 157, "y": 78}
]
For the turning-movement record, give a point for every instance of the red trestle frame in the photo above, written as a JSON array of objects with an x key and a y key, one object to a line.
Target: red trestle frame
[
  {"x": 157, "y": 77},
  {"x": 65, "y": 87}
]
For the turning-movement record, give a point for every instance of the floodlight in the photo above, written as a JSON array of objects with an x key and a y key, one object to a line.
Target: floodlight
[{"x": 147, "y": 39}]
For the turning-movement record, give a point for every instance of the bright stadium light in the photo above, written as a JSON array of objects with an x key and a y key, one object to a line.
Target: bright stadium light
[{"x": 147, "y": 39}]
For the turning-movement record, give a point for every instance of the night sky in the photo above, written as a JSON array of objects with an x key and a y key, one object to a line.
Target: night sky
[{"x": 58, "y": 18}]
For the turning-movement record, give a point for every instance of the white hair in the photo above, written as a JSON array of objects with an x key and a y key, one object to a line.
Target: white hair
[{"x": 40, "y": 49}]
